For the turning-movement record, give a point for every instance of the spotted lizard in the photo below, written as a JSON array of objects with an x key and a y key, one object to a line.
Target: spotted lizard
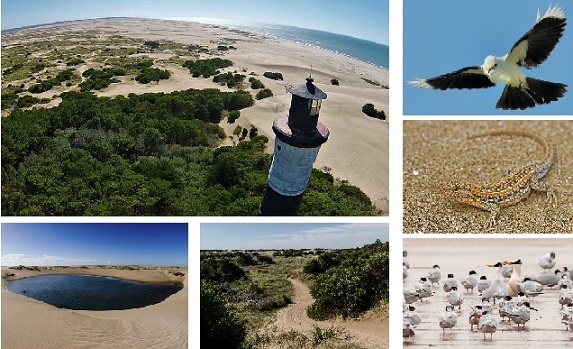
[{"x": 512, "y": 188}]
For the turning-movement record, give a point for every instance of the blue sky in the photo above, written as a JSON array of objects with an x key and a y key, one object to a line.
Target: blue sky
[
  {"x": 365, "y": 19},
  {"x": 446, "y": 35},
  {"x": 254, "y": 236},
  {"x": 92, "y": 243}
]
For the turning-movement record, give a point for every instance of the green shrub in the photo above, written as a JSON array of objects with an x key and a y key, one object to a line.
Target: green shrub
[
  {"x": 264, "y": 93},
  {"x": 220, "y": 326},
  {"x": 233, "y": 116},
  {"x": 334, "y": 82},
  {"x": 369, "y": 110},
  {"x": 273, "y": 75},
  {"x": 206, "y": 67},
  {"x": 256, "y": 83},
  {"x": 152, "y": 74}
]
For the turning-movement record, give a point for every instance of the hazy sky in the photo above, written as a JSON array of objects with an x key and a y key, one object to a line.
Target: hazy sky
[
  {"x": 446, "y": 35},
  {"x": 90, "y": 243},
  {"x": 254, "y": 236},
  {"x": 365, "y": 19}
]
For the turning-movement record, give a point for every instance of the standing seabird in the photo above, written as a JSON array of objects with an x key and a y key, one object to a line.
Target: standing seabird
[
  {"x": 529, "y": 51},
  {"x": 521, "y": 313},
  {"x": 434, "y": 275},
  {"x": 497, "y": 289},
  {"x": 455, "y": 297},
  {"x": 548, "y": 261},
  {"x": 449, "y": 283},
  {"x": 448, "y": 318},
  {"x": 470, "y": 281},
  {"x": 483, "y": 284},
  {"x": 487, "y": 324}
]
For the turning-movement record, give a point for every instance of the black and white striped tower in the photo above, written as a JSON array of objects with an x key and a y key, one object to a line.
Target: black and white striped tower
[{"x": 299, "y": 136}]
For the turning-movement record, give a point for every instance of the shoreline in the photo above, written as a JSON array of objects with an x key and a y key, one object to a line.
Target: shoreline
[
  {"x": 358, "y": 148},
  {"x": 161, "y": 325}
]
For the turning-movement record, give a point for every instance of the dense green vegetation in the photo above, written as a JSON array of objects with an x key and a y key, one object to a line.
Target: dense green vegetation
[
  {"x": 335, "y": 82},
  {"x": 349, "y": 282},
  {"x": 206, "y": 67},
  {"x": 46, "y": 85},
  {"x": 229, "y": 79},
  {"x": 369, "y": 110},
  {"x": 150, "y": 154},
  {"x": 98, "y": 79},
  {"x": 273, "y": 75},
  {"x": 220, "y": 326},
  {"x": 152, "y": 74}
]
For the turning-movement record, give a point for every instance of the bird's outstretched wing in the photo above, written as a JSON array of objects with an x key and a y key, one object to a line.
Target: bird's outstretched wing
[
  {"x": 536, "y": 45},
  {"x": 468, "y": 77}
]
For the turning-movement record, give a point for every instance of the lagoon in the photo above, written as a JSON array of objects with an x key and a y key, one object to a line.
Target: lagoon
[{"x": 88, "y": 292}]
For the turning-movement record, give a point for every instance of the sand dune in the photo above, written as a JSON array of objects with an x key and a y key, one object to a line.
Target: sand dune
[
  {"x": 27, "y": 323},
  {"x": 357, "y": 150}
]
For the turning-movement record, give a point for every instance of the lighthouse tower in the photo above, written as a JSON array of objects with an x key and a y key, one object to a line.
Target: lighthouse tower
[{"x": 298, "y": 139}]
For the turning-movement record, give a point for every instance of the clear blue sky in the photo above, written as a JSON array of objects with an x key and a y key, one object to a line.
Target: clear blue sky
[
  {"x": 254, "y": 236},
  {"x": 446, "y": 35},
  {"x": 92, "y": 243},
  {"x": 365, "y": 19}
]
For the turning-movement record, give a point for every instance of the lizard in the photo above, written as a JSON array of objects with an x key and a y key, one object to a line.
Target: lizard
[{"x": 512, "y": 188}]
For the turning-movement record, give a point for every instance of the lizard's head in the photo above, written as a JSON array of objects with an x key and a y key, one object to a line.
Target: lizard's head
[{"x": 458, "y": 192}]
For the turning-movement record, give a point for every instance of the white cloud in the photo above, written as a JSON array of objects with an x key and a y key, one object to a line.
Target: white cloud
[{"x": 13, "y": 259}]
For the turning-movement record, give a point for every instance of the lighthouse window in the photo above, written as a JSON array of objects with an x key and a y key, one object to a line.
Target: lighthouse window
[{"x": 314, "y": 105}]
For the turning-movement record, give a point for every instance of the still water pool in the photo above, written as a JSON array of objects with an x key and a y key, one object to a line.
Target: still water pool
[{"x": 88, "y": 292}]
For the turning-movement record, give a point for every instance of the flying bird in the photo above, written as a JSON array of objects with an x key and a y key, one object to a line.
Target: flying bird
[{"x": 529, "y": 51}]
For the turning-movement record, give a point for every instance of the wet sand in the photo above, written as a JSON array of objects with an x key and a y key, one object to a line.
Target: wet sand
[
  {"x": 437, "y": 152},
  {"x": 460, "y": 255},
  {"x": 28, "y": 323}
]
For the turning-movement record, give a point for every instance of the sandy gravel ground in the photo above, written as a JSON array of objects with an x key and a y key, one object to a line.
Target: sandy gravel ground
[
  {"x": 367, "y": 333},
  {"x": 437, "y": 152},
  {"x": 459, "y": 256},
  {"x": 28, "y": 323},
  {"x": 357, "y": 149}
]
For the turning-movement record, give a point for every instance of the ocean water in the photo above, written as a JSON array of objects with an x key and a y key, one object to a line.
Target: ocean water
[
  {"x": 364, "y": 50},
  {"x": 87, "y": 292}
]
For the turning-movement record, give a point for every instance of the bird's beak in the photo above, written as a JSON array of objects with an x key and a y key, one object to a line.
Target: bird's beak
[
  {"x": 506, "y": 263},
  {"x": 489, "y": 265}
]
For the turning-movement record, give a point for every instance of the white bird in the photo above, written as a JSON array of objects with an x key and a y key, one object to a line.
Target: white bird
[
  {"x": 565, "y": 280},
  {"x": 449, "y": 283},
  {"x": 529, "y": 51},
  {"x": 412, "y": 316},
  {"x": 487, "y": 324},
  {"x": 486, "y": 305},
  {"x": 470, "y": 281},
  {"x": 411, "y": 297},
  {"x": 529, "y": 286},
  {"x": 566, "y": 314},
  {"x": 565, "y": 296},
  {"x": 549, "y": 279},
  {"x": 548, "y": 261},
  {"x": 505, "y": 307},
  {"x": 407, "y": 329},
  {"x": 497, "y": 289},
  {"x": 448, "y": 318},
  {"x": 455, "y": 297},
  {"x": 483, "y": 284},
  {"x": 424, "y": 288},
  {"x": 475, "y": 315},
  {"x": 521, "y": 313},
  {"x": 434, "y": 275}
]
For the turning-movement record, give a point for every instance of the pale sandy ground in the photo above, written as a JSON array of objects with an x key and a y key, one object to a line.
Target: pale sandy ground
[
  {"x": 28, "y": 323},
  {"x": 368, "y": 333},
  {"x": 459, "y": 256},
  {"x": 357, "y": 149},
  {"x": 437, "y": 152}
]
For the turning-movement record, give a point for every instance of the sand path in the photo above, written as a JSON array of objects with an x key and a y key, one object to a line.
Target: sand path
[{"x": 368, "y": 333}]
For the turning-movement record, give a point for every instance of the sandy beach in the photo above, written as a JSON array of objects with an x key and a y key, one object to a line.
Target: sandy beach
[
  {"x": 458, "y": 256},
  {"x": 28, "y": 323},
  {"x": 357, "y": 149},
  {"x": 437, "y": 152}
]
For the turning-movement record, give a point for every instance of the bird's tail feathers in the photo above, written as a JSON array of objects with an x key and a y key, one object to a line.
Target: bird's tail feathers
[{"x": 536, "y": 92}]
